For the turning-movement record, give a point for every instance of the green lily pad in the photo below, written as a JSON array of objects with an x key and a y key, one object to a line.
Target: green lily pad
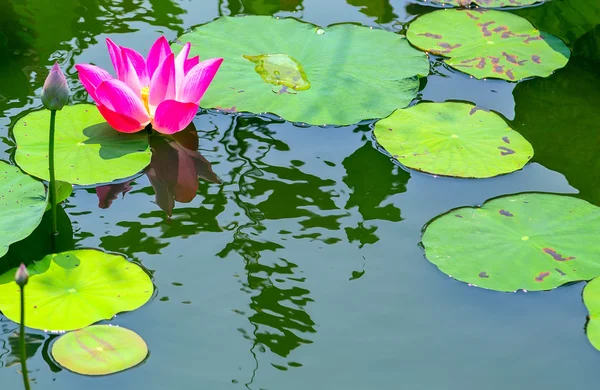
[
  {"x": 63, "y": 191},
  {"x": 22, "y": 205},
  {"x": 88, "y": 151},
  {"x": 484, "y": 3},
  {"x": 486, "y": 43},
  {"x": 305, "y": 73},
  {"x": 591, "y": 299},
  {"x": 453, "y": 139},
  {"x": 523, "y": 241},
  {"x": 99, "y": 350},
  {"x": 74, "y": 289}
]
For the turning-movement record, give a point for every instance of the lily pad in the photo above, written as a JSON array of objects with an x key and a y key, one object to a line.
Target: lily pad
[
  {"x": 63, "y": 191},
  {"x": 525, "y": 241},
  {"x": 484, "y": 3},
  {"x": 306, "y": 73},
  {"x": 74, "y": 289},
  {"x": 487, "y": 43},
  {"x": 22, "y": 205},
  {"x": 99, "y": 350},
  {"x": 453, "y": 139},
  {"x": 88, "y": 151},
  {"x": 591, "y": 299}
]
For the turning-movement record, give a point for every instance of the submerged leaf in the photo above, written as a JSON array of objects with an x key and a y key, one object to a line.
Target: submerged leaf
[
  {"x": 22, "y": 205},
  {"x": 74, "y": 289},
  {"x": 525, "y": 241},
  {"x": 453, "y": 139},
  {"x": 487, "y": 43},
  {"x": 88, "y": 151},
  {"x": 99, "y": 350},
  {"x": 305, "y": 73}
]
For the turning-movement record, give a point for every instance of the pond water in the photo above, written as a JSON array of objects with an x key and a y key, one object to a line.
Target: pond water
[{"x": 302, "y": 268}]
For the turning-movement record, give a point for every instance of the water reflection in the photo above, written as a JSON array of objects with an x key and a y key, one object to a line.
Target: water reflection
[
  {"x": 559, "y": 116},
  {"x": 173, "y": 172},
  {"x": 258, "y": 7},
  {"x": 381, "y": 10}
]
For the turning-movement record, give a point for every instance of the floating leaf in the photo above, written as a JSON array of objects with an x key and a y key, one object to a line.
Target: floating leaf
[
  {"x": 591, "y": 299},
  {"x": 74, "y": 289},
  {"x": 453, "y": 139},
  {"x": 63, "y": 191},
  {"x": 487, "y": 43},
  {"x": 523, "y": 241},
  {"x": 99, "y": 350},
  {"x": 305, "y": 73},
  {"x": 88, "y": 151},
  {"x": 484, "y": 3},
  {"x": 22, "y": 205}
]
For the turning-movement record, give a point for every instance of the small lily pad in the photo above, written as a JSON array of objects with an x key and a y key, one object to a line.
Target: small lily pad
[
  {"x": 63, "y": 191},
  {"x": 306, "y": 73},
  {"x": 591, "y": 299},
  {"x": 74, "y": 289},
  {"x": 484, "y": 3},
  {"x": 453, "y": 139},
  {"x": 99, "y": 350},
  {"x": 22, "y": 205},
  {"x": 525, "y": 241},
  {"x": 87, "y": 150},
  {"x": 487, "y": 43}
]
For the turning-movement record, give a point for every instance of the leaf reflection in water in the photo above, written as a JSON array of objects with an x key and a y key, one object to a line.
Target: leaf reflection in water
[{"x": 173, "y": 172}]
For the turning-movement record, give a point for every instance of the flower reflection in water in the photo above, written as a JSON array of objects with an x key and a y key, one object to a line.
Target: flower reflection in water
[{"x": 173, "y": 172}]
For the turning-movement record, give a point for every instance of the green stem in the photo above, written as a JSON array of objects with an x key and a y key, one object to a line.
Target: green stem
[
  {"x": 52, "y": 185},
  {"x": 23, "y": 352}
]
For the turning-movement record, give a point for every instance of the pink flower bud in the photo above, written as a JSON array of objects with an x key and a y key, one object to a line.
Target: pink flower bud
[
  {"x": 22, "y": 276},
  {"x": 55, "y": 93}
]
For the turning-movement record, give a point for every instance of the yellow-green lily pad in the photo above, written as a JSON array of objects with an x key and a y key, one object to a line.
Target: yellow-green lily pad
[
  {"x": 99, "y": 350},
  {"x": 453, "y": 139},
  {"x": 74, "y": 289}
]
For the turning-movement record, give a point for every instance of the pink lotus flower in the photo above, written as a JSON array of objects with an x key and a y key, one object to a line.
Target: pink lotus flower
[{"x": 163, "y": 89}]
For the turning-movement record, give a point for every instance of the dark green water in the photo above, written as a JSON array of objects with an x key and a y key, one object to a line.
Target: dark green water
[{"x": 302, "y": 269}]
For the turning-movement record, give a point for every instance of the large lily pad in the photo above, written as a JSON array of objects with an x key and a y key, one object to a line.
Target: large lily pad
[
  {"x": 486, "y": 43},
  {"x": 484, "y": 3},
  {"x": 591, "y": 299},
  {"x": 523, "y": 241},
  {"x": 22, "y": 205},
  {"x": 304, "y": 73},
  {"x": 453, "y": 139},
  {"x": 74, "y": 289},
  {"x": 99, "y": 350},
  {"x": 88, "y": 151}
]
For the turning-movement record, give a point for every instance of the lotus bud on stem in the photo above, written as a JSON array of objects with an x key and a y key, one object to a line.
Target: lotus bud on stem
[
  {"x": 55, "y": 94},
  {"x": 21, "y": 278}
]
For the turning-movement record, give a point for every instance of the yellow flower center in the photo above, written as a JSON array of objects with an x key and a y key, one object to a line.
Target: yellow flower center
[{"x": 145, "y": 93}]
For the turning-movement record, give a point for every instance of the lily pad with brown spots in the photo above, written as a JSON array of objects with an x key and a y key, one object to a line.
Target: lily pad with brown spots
[
  {"x": 527, "y": 241},
  {"x": 591, "y": 299},
  {"x": 99, "y": 350},
  {"x": 487, "y": 43},
  {"x": 485, "y": 3},
  {"x": 453, "y": 139}
]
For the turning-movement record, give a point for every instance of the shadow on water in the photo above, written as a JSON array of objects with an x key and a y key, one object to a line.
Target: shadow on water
[
  {"x": 381, "y": 10},
  {"x": 258, "y": 7}
]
